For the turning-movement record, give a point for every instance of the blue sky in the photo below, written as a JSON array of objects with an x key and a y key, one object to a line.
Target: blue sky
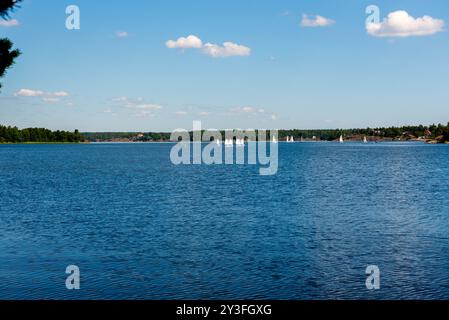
[{"x": 117, "y": 73}]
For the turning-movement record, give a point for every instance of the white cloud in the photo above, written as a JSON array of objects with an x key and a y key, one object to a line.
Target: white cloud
[
  {"x": 228, "y": 49},
  {"x": 204, "y": 114},
  {"x": 190, "y": 42},
  {"x": 248, "y": 109},
  {"x": 139, "y": 107},
  {"x": 315, "y": 21},
  {"x": 9, "y": 23},
  {"x": 401, "y": 24},
  {"x": 121, "y": 34},
  {"x": 146, "y": 106},
  {"x": 28, "y": 93},
  {"x": 59, "y": 94},
  {"x": 181, "y": 113},
  {"x": 138, "y": 103},
  {"x": 46, "y": 96}
]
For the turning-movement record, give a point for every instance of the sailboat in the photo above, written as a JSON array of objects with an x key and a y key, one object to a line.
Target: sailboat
[
  {"x": 364, "y": 140},
  {"x": 218, "y": 142},
  {"x": 292, "y": 139},
  {"x": 341, "y": 139},
  {"x": 229, "y": 143},
  {"x": 275, "y": 140}
]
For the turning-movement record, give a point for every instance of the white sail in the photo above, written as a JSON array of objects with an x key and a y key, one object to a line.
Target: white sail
[
  {"x": 341, "y": 139},
  {"x": 365, "y": 140},
  {"x": 275, "y": 140},
  {"x": 240, "y": 142}
]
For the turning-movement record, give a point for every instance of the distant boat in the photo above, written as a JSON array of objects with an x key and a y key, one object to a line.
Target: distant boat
[
  {"x": 218, "y": 142},
  {"x": 229, "y": 142},
  {"x": 240, "y": 142},
  {"x": 275, "y": 140},
  {"x": 341, "y": 139},
  {"x": 292, "y": 139},
  {"x": 365, "y": 140}
]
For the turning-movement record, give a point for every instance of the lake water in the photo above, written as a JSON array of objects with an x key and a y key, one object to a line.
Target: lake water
[{"x": 139, "y": 227}]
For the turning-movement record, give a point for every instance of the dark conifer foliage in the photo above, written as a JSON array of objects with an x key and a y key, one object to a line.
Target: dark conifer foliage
[{"x": 7, "y": 54}]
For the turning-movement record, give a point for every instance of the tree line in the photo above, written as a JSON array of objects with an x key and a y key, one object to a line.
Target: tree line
[
  {"x": 16, "y": 135},
  {"x": 437, "y": 132}
]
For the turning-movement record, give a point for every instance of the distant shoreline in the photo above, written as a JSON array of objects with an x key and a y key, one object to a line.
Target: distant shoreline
[
  {"x": 433, "y": 134},
  {"x": 205, "y": 142}
]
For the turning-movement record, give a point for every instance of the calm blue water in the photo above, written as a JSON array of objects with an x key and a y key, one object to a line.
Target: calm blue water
[{"x": 140, "y": 228}]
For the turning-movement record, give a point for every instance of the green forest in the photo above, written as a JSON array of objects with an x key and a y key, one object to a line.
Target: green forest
[
  {"x": 439, "y": 133},
  {"x": 37, "y": 135}
]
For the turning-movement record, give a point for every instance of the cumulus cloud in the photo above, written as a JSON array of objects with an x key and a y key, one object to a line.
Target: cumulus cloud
[
  {"x": 9, "y": 23},
  {"x": 38, "y": 93},
  {"x": 315, "y": 21},
  {"x": 46, "y": 96},
  {"x": 29, "y": 93},
  {"x": 190, "y": 42},
  {"x": 228, "y": 49},
  {"x": 401, "y": 24}
]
